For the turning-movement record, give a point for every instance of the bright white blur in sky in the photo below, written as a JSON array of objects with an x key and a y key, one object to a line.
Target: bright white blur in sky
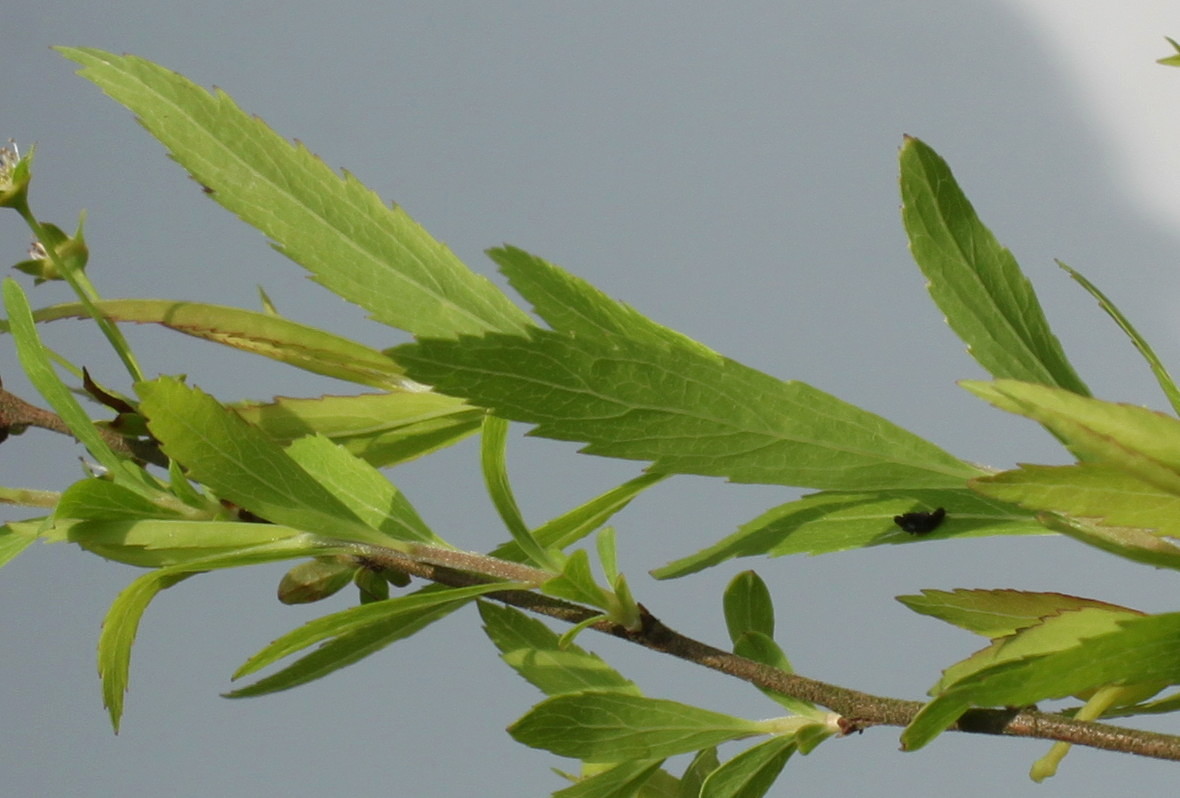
[
  {"x": 729, "y": 170},
  {"x": 1130, "y": 103}
]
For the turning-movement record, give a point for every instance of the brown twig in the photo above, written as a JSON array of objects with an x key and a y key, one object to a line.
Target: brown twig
[
  {"x": 17, "y": 415},
  {"x": 860, "y": 710}
]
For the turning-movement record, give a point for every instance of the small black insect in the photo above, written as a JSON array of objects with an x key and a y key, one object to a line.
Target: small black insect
[{"x": 920, "y": 523}]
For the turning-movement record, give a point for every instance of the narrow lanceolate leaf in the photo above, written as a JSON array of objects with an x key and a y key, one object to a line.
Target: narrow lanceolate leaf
[
  {"x": 240, "y": 463},
  {"x": 612, "y": 727},
  {"x": 122, "y": 619},
  {"x": 624, "y": 780},
  {"x": 350, "y": 241},
  {"x": 350, "y": 635},
  {"x": 683, "y": 410},
  {"x": 381, "y": 429},
  {"x": 828, "y": 522},
  {"x": 280, "y": 339},
  {"x": 12, "y": 542},
  {"x": 1138, "y": 441},
  {"x": 751, "y": 773},
  {"x": 37, "y": 366},
  {"x": 994, "y": 613},
  {"x": 1143, "y": 650},
  {"x": 362, "y": 489},
  {"x": 573, "y": 525},
  {"x": 1166, "y": 383},
  {"x": 533, "y": 650},
  {"x": 1090, "y": 490},
  {"x": 1055, "y": 632},
  {"x": 568, "y": 303},
  {"x": 974, "y": 280},
  {"x": 1137, "y": 545}
]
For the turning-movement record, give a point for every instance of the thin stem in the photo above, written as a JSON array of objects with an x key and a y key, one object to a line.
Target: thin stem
[
  {"x": 860, "y": 710},
  {"x": 86, "y": 293}
]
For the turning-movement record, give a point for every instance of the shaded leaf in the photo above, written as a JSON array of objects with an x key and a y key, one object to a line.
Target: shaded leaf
[
  {"x": 381, "y": 429},
  {"x": 835, "y": 521},
  {"x": 275, "y": 337}
]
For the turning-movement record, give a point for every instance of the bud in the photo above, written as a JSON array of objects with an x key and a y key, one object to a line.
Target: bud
[
  {"x": 15, "y": 174},
  {"x": 71, "y": 250},
  {"x": 372, "y": 586},
  {"x": 314, "y": 580}
]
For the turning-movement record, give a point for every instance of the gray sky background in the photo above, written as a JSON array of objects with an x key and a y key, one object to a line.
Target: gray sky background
[{"x": 730, "y": 172}]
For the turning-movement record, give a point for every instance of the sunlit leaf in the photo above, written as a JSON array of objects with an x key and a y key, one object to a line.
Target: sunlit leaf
[
  {"x": 612, "y": 726},
  {"x": 751, "y": 773},
  {"x": 1142, "y": 650},
  {"x": 351, "y": 242},
  {"x": 974, "y": 280},
  {"x": 533, "y": 651}
]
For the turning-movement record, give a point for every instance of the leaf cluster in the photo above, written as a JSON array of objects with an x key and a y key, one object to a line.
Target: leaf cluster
[{"x": 188, "y": 483}]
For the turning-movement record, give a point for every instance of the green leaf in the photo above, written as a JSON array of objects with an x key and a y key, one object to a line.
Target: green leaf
[
  {"x": 12, "y": 542},
  {"x": 1166, "y": 383},
  {"x": 35, "y": 360},
  {"x": 570, "y": 304},
  {"x": 240, "y": 463},
  {"x": 833, "y": 521},
  {"x": 1137, "y": 545},
  {"x": 704, "y": 763},
  {"x": 156, "y": 543},
  {"x": 621, "y": 781},
  {"x": 308, "y": 348},
  {"x": 122, "y": 619},
  {"x": 576, "y": 583},
  {"x": 573, "y": 525},
  {"x": 533, "y": 651},
  {"x": 683, "y": 410},
  {"x": 493, "y": 458},
  {"x": 351, "y": 635},
  {"x": 103, "y": 500},
  {"x": 974, "y": 280},
  {"x": 382, "y": 429},
  {"x": 995, "y": 613},
  {"x": 1142, "y": 650},
  {"x": 1136, "y": 440},
  {"x": 751, "y": 773},
  {"x": 748, "y": 606},
  {"x": 1055, "y": 632},
  {"x": 351, "y": 242},
  {"x": 1171, "y": 60},
  {"x": 363, "y": 489},
  {"x": 612, "y": 727},
  {"x": 1089, "y": 490}
]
